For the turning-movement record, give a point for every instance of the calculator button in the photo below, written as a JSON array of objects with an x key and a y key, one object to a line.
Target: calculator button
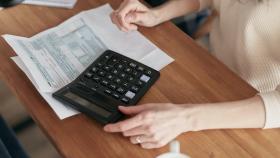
[
  {"x": 96, "y": 78},
  {"x": 113, "y": 61},
  {"x": 94, "y": 69},
  {"x": 101, "y": 73},
  {"x": 120, "y": 90},
  {"x": 139, "y": 83},
  {"x": 135, "y": 73},
  {"x": 107, "y": 91},
  {"x": 125, "y": 84},
  {"x": 144, "y": 78},
  {"x": 104, "y": 82},
  {"x": 148, "y": 72},
  {"x": 133, "y": 65},
  {"x": 99, "y": 64},
  {"x": 107, "y": 68},
  {"x": 115, "y": 95},
  {"x": 110, "y": 77},
  {"x": 128, "y": 70},
  {"x": 125, "y": 100},
  {"x": 119, "y": 66},
  {"x": 88, "y": 75},
  {"x": 113, "y": 86},
  {"x": 135, "y": 89},
  {"x": 117, "y": 80},
  {"x": 130, "y": 79},
  {"x": 81, "y": 83},
  {"x": 107, "y": 56},
  {"x": 124, "y": 61},
  {"x": 129, "y": 94},
  {"x": 116, "y": 72},
  {"x": 94, "y": 88},
  {"x": 123, "y": 75},
  {"x": 140, "y": 68}
]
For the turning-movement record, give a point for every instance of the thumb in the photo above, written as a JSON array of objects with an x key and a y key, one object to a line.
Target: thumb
[
  {"x": 135, "y": 18},
  {"x": 132, "y": 110}
]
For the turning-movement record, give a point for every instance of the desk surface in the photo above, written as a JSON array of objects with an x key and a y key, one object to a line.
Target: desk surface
[{"x": 194, "y": 77}]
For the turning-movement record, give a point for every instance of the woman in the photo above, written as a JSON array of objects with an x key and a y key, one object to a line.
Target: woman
[{"x": 245, "y": 36}]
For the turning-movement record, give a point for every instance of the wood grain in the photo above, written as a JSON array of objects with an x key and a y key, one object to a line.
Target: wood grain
[{"x": 194, "y": 77}]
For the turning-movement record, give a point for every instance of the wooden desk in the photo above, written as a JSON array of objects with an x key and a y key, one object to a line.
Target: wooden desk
[{"x": 194, "y": 77}]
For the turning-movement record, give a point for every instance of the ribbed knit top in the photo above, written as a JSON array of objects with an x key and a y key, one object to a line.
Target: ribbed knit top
[{"x": 246, "y": 37}]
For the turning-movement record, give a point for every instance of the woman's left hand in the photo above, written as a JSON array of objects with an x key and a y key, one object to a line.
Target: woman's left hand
[{"x": 153, "y": 125}]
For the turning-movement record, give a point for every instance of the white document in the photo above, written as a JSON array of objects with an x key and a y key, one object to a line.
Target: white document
[
  {"x": 132, "y": 44},
  {"x": 61, "y": 110},
  {"x": 58, "y": 55},
  {"x": 52, "y": 3}
]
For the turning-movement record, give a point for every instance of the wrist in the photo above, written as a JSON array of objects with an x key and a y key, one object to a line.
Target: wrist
[
  {"x": 203, "y": 117},
  {"x": 157, "y": 13},
  {"x": 248, "y": 113},
  {"x": 192, "y": 117}
]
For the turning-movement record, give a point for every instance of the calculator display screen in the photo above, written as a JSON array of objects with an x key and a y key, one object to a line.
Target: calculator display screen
[{"x": 83, "y": 102}]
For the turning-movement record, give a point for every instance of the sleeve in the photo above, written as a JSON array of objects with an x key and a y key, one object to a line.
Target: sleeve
[
  {"x": 205, "y": 4},
  {"x": 272, "y": 108}
]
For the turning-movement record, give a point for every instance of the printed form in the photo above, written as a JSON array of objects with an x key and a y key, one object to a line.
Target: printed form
[
  {"x": 55, "y": 57},
  {"x": 52, "y": 3}
]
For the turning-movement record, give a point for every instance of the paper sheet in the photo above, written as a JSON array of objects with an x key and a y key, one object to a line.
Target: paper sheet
[
  {"x": 61, "y": 110},
  {"x": 52, "y": 3},
  {"x": 55, "y": 57}
]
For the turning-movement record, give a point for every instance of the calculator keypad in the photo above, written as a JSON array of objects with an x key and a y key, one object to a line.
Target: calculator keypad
[
  {"x": 118, "y": 78},
  {"x": 111, "y": 80}
]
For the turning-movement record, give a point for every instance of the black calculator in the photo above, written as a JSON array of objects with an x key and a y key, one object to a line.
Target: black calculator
[{"x": 111, "y": 80}]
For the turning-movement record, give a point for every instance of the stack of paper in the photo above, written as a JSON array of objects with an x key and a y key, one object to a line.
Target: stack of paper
[
  {"x": 52, "y": 3},
  {"x": 55, "y": 57}
]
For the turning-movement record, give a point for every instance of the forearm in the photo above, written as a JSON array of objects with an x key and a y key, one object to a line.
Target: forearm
[
  {"x": 248, "y": 113},
  {"x": 175, "y": 8}
]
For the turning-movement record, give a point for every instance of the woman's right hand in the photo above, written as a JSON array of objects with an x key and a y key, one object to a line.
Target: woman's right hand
[{"x": 132, "y": 13}]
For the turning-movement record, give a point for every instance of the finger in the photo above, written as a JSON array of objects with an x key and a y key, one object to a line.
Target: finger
[
  {"x": 142, "y": 139},
  {"x": 133, "y": 27},
  {"x": 123, "y": 11},
  {"x": 131, "y": 110},
  {"x": 135, "y": 131},
  {"x": 155, "y": 143},
  {"x": 124, "y": 125},
  {"x": 121, "y": 26},
  {"x": 139, "y": 18},
  {"x": 115, "y": 20},
  {"x": 113, "y": 17},
  {"x": 165, "y": 139},
  {"x": 134, "y": 17},
  {"x": 131, "y": 21},
  {"x": 152, "y": 145}
]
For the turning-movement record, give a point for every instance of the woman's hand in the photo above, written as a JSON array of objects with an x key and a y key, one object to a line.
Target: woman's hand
[
  {"x": 153, "y": 125},
  {"x": 132, "y": 13}
]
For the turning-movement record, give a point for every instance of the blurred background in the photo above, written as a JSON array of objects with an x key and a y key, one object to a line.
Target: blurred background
[{"x": 30, "y": 136}]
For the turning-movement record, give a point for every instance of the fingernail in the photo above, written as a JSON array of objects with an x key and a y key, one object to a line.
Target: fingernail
[
  {"x": 120, "y": 107},
  {"x": 106, "y": 128}
]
